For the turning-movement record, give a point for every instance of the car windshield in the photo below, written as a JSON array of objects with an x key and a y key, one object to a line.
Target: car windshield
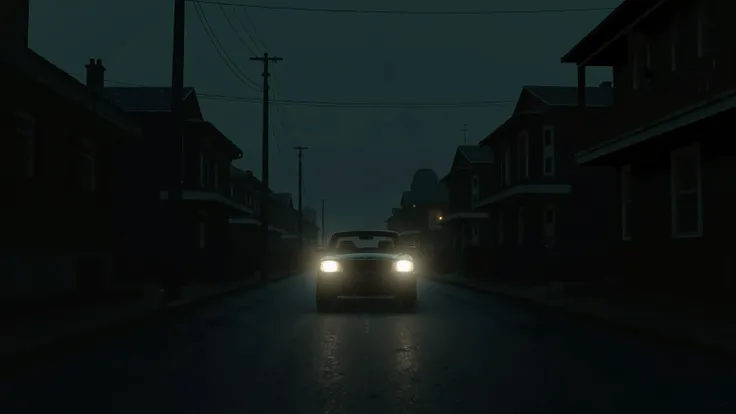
[{"x": 361, "y": 244}]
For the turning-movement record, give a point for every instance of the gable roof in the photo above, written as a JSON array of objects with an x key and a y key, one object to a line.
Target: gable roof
[
  {"x": 283, "y": 198},
  {"x": 476, "y": 154},
  {"x": 613, "y": 24},
  {"x": 143, "y": 98},
  {"x": 51, "y": 76},
  {"x": 601, "y": 96}
]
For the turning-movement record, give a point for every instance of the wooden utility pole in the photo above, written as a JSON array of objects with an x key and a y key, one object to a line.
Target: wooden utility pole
[
  {"x": 176, "y": 187},
  {"x": 300, "y": 230},
  {"x": 265, "y": 187}
]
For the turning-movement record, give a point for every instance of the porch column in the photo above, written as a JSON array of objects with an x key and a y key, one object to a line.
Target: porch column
[{"x": 581, "y": 86}]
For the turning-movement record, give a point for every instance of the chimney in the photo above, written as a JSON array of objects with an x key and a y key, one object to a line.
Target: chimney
[
  {"x": 14, "y": 16},
  {"x": 95, "y": 74},
  {"x": 606, "y": 85}
]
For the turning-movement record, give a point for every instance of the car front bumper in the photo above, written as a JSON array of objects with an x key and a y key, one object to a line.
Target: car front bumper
[{"x": 361, "y": 285}]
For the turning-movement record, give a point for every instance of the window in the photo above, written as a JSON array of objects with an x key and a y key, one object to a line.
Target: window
[
  {"x": 202, "y": 169},
  {"x": 86, "y": 166},
  {"x": 520, "y": 230},
  {"x": 475, "y": 188},
  {"x": 500, "y": 227},
  {"x": 215, "y": 176},
  {"x": 548, "y": 151},
  {"x": 626, "y": 199},
  {"x": 522, "y": 154},
  {"x": 686, "y": 192},
  {"x": 476, "y": 235},
  {"x": 26, "y": 130},
  {"x": 550, "y": 221},
  {"x": 507, "y": 164}
]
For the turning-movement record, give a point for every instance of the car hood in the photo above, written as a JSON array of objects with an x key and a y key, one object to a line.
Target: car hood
[{"x": 367, "y": 256}]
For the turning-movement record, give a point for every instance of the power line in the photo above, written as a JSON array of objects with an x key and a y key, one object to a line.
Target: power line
[
  {"x": 408, "y": 12},
  {"x": 237, "y": 34},
  {"x": 258, "y": 37},
  {"x": 229, "y": 62}
]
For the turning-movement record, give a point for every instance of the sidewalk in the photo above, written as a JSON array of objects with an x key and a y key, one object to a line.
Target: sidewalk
[
  {"x": 55, "y": 333},
  {"x": 714, "y": 335}
]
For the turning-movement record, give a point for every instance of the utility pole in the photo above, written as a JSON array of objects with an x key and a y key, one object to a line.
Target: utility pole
[
  {"x": 177, "y": 134},
  {"x": 465, "y": 133},
  {"x": 265, "y": 187},
  {"x": 323, "y": 223},
  {"x": 300, "y": 150}
]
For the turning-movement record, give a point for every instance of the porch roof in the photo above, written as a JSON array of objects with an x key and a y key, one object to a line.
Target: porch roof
[{"x": 702, "y": 110}]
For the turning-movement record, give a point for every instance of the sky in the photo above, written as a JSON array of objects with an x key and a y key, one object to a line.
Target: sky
[{"x": 359, "y": 159}]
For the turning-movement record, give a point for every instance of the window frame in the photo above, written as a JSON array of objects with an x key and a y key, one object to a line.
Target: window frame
[
  {"x": 693, "y": 150},
  {"x": 522, "y": 154},
  {"x": 474, "y": 188},
  {"x": 548, "y": 151}
]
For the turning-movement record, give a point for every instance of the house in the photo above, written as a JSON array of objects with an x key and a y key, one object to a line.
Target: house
[
  {"x": 471, "y": 165},
  {"x": 547, "y": 215},
  {"x": 58, "y": 213},
  {"x": 196, "y": 230},
  {"x": 674, "y": 96}
]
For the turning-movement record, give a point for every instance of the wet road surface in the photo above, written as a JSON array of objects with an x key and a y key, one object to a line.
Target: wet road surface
[{"x": 269, "y": 351}]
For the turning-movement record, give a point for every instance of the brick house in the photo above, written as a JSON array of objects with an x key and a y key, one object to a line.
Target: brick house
[
  {"x": 470, "y": 165},
  {"x": 674, "y": 95},
  {"x": 198, "y": 233},
  {"x": 57, "y": 173},
  {"x": 462, "y": 227},
  {"x": 547, "y": 216}
]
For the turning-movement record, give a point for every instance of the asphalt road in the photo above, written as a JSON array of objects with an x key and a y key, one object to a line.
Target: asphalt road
[{"x": 269, "y": 351}]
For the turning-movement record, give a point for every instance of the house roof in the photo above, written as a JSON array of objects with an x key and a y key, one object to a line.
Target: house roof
[
  {"x": 210, "y": 128},
  {"x": 283, "y": 198},
  {"x": 476, "y": 154},
  {"x": 143, "y": 98},
  {"x": 611, "y": 26},
  {"x": 568, "y": 95},
  {"x": 30, "y": 63}
]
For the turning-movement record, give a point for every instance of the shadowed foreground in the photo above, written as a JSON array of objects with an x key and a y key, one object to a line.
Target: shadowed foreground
[{"x": 269, "y": 351}]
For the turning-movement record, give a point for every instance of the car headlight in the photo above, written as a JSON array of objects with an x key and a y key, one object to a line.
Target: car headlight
[
  {"x": 404, "y": 266},
  {"x": 329, "y": 266}
]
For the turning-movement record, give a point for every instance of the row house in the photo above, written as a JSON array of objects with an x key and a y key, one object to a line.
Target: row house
[
  {"x": 471, "y": 165},
  {"x": 59, "y": 213},
  {"x": 189, "y": 177},
  {"x": 546, "y": 216},
  {"x": 674, "y": 82}
]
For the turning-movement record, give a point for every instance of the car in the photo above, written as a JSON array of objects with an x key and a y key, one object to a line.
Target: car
[{"x": 366, "y": 264}]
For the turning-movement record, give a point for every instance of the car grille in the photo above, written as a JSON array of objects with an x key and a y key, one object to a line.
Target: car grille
[{"x": 367, "y": 266}]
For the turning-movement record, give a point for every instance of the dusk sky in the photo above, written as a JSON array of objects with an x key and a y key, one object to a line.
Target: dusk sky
[{"x": 359, "y": 159}]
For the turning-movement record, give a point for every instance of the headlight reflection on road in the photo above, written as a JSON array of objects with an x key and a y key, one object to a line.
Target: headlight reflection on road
[
  {"x": 404, "y": 266},
  {"x": 329, "y": 266}
]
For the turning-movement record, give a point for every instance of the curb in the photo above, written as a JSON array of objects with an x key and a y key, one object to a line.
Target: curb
[
  {"x": 28, "y": 357},
  {"x": 643, "y": 332}
]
